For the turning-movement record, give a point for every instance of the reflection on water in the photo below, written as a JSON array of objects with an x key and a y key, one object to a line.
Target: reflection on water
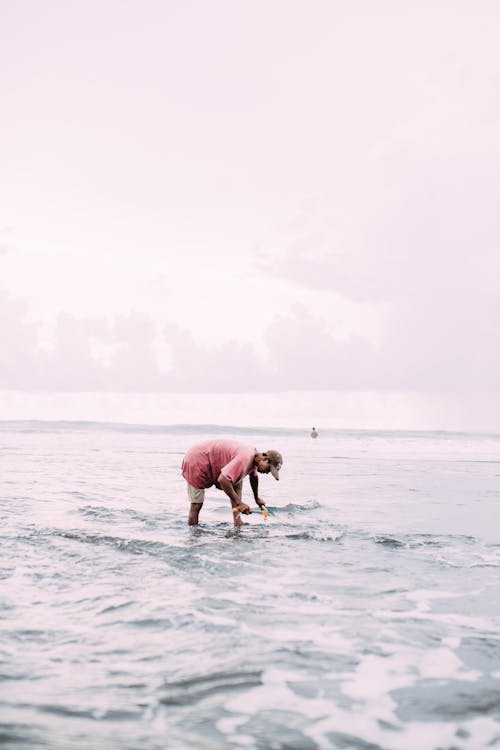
[{"x": 365, "y": 614}]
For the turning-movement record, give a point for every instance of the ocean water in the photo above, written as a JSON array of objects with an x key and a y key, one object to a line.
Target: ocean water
[{"x": 365, "y": 614}]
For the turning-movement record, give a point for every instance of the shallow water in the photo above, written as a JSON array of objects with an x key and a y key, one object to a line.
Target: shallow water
[{"x": 364, "y": 615}]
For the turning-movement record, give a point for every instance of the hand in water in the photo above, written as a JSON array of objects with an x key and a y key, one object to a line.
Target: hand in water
[{"x": 242, "y": 508}]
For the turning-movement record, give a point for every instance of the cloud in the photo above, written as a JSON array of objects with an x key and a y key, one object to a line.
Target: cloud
[
  {"x": 369, "y": 167},
  {"x": 75, "y": 364},
  {"x": 424, "y": 232},
  {"x": 19, "y": 344},
  {"x": 305, "y": 354},
  {"x": 427, "y": 247},
  {"x": 228, "y": 366},
  {"x": 458, "y": 348},
  {"x": 134, "y": 365},
  {"x": 71, "y": 363}
]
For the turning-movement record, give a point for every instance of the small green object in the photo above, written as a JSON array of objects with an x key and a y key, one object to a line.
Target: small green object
[{"x": 271, "y": 511}]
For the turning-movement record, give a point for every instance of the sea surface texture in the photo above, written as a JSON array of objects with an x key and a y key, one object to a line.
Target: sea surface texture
[{"x": 364, "y": 615}]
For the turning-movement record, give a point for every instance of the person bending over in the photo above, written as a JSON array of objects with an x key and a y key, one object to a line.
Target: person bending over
[{"x": 225, "y": 463}]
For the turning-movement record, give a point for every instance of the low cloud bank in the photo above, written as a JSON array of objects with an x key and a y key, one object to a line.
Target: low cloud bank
[{"x": 455, "y": 349}]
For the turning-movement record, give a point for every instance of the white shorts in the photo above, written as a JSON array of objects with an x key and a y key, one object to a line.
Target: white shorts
[{"x": 195, "y": 495}]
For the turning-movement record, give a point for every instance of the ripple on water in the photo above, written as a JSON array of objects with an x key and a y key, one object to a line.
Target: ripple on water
[
  {"x": 123, "y": 628},
  {"x": 194, "y": 689},
  {"x": 456, "y": 699}
]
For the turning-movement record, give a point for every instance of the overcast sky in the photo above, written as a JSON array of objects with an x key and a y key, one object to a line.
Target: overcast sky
[{"x": 242, "y": 195}]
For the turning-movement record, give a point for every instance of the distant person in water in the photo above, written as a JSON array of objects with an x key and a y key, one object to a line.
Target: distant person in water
[
  {"x": 314, "y": 434},
  {"x": 225, "y": 463}
]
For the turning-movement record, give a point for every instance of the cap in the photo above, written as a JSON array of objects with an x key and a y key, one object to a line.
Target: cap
[{"x": 276, "y": 460}]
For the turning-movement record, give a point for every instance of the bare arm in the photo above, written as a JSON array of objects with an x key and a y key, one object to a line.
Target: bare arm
[
  {"x": 254, "y": 484},
  {"x": 226, "y": 485}
]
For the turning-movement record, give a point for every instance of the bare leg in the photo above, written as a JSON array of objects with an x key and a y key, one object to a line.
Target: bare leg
[
  {"x": 194, "y": 512},
  {"x": 236, "y": 516}
]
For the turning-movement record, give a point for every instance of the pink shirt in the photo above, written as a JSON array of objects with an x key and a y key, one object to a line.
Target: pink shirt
[{"x": 203, "y": 463}]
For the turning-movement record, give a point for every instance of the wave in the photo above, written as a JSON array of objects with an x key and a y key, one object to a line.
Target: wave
[
  {"x": 412, "y": 541},
  {"x": 191, "y": 690},
  {"x": 293, "y": 508},
  {"x": 455, "y": 700},
  {"x": 452, "y": 550},
  {"x": 57, "y": 426},
  {"x": 315, "y": 535},
  {"x": 40, "y": 426},
  {"x": 133, "y": 546},
  {"x": 85, "y": 713}
]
